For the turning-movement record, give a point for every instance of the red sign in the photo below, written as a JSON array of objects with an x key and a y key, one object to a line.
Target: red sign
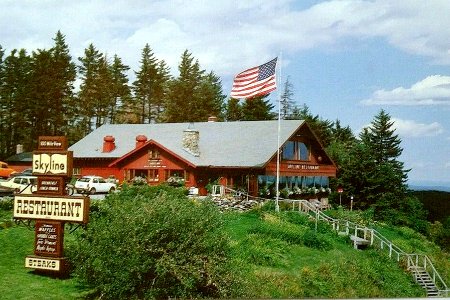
[{"x": 340, "y": 190}]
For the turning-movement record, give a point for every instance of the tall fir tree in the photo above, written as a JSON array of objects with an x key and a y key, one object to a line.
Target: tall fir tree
[
  {"x": 384, "y": 144},
  {"x": 145, "y": 85},
  {"x": 120, "y": 90},
  {"x": 95, "y": 94},
  {"x": 286, "y": 100},
  {"x": 257, "y": 109},
  {"x": 63, "y": 78},
  {"x": 194, "y": 95},
  {"x": 233, "y": 110},
  {"x": 15, "y": 126}
]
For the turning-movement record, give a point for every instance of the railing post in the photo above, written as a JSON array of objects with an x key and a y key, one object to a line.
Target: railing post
[
  {"x": 371, "y": 237},
  {"x": 390, "y": 250}
]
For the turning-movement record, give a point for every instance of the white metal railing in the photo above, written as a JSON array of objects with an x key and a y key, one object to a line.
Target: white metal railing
[{"x": 374, "y": 238}]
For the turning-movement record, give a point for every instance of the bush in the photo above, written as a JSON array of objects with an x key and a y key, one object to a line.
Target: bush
[
  {"x": 153, "y": 242},
  {"x": 6, "y": 203},
  {"x": 316, "y": 240}
]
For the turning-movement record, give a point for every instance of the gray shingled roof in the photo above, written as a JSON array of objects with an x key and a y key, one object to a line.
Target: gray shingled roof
[{"x": 222, "y": 144}]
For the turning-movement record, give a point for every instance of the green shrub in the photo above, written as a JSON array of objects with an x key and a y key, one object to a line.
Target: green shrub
[
  {"x": 153, "y": 242},
  {"x": 316, "y": 240},
  {"x": 6, "y": 203}
]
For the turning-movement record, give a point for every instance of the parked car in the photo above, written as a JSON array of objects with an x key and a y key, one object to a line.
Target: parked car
[
  {"x": 26, "y": 172},
  {"x": 5, "y": 170},
  {"x": 94, "y": 184},
  {"x": 20, "y": 184}
]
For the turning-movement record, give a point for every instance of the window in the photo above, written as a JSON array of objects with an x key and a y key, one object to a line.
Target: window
[
  {"x": 294, "y": 150},
  {"x": 153, "y": 154},
  {"x": 153, "y": 175}
]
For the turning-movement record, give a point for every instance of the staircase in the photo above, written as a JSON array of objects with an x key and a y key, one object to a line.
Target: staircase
[
  {"x": 419, "y": 265},
  {"x": 425, "y": 281}
]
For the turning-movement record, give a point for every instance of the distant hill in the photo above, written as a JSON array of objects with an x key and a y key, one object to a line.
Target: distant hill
[
  {"x": 441, "y": 188},
  {"x": 437, "y": 202}
]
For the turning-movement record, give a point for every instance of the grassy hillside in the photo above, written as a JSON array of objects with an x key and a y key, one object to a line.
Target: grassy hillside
[
  {"x": 436, "y": 202},
  {"x": 282, "y": 255},
  {"x": 285, "y": 257}
]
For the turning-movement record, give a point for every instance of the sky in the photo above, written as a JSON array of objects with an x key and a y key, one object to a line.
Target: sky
[{"x": 347, "y": 60}]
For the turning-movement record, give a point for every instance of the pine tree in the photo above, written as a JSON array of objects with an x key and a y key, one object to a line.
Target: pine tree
[
  {"x": 233, "y": 110},
  {"x": 120, "y": 91},
  {"x": 145, "y": 86},
  {"x": 258, "y": 108},
  {"x": 93, "y": 94},
  {"x": 194, "y": 95},
  {"x": 14, "y": 102},
  {"x": 322, "y": 128},
  {"x": 63, "y": 77},
  {"x": 286, "y": 100},
  {"x": 390, "y": 175}
]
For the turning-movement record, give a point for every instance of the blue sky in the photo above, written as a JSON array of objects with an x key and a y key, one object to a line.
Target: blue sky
[{"x": 346, "y": 59}]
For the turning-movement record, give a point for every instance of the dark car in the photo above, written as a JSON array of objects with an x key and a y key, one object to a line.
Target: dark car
[{"x": 26, "y": 172}]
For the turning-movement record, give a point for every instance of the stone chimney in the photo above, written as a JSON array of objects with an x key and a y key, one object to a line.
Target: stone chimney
[
  {"x": 212, "y": 119},
  {"x": 140, "y": 140},
  {"x": 190, "y": 141},
  {"x": 19, "y": 148},
  {"x": 109, "y": 143}
]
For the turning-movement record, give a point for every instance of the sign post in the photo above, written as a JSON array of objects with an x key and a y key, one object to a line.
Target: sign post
[
  {"x": 50, "y": 206},
  {"x": 340, "y": 190}
]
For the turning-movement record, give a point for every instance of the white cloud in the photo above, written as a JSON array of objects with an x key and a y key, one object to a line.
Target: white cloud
[
  {"x": 224, "y": 35},
  {"x": 410, "y": 128},
  {"x": 433, "y": 90}
]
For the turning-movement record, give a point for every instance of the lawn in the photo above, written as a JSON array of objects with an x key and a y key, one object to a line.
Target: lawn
[
  {"x": 18, "y": 282},
  {"x": 282, "y": 255}
]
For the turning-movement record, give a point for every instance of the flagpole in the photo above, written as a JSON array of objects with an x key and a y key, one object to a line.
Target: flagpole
[{"x": 277, "y": 205}]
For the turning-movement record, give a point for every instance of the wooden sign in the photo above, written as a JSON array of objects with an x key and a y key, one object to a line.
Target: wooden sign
[
  {"x": 57, "y": 264},
  {"x": 55, "y": 163},
  {"x": 49, "y": 237},
  {"x": 68, "y": 209},
  {"x": 53, "y": 143},
  {"x": 50, "y": 185}
]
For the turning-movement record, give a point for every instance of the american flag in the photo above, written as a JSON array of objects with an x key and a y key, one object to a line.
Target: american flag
[{"x": 256, "y": 81}]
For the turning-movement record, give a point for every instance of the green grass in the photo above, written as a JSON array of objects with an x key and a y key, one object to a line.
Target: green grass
[
  {"x": 18, "y": 282},
  {"x": 281, "y": 255},
  {"x": 279, "y": 266}
]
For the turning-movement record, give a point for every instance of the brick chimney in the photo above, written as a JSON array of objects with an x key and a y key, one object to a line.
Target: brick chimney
[
  {"x": 190, "y": 141},
  {"x": 108, "y": 144},
  {"x": 140, "y": 140}
]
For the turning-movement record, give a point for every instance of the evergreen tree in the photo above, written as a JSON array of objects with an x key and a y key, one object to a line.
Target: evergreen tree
[
  {"x": 13, "y": 106},
  {"x": 233, "y": 110},
  {"x": 41, "y": 108},
  {"x": 257, "y": 109},
  {"x": 120, "y": 91},
  {"x": 181, "y": 100},
  {"x": 145, "y": 86},
  {"x": 161, "y": 90},
  {"x": 63, "y": 77},
  {"x": 286, "y": 100},
  {"x": 210, "y": 98},
  {"x": 322, "y": 128},
  {"x": 389, "y": 176},
  {"x": 95, "y": 94},
  {"x": 193, "y": 95}
]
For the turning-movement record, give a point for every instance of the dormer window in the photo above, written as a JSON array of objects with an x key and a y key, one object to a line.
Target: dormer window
[
  {"x": 153, "y": 154},
  {"x": 294, "y": 150}
]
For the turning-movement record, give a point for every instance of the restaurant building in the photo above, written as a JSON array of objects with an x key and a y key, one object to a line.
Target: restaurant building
[{"x": 239, "y": 155}]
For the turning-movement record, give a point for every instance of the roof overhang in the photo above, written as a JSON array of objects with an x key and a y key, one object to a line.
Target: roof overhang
[{"x": 149, "y": 142}]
